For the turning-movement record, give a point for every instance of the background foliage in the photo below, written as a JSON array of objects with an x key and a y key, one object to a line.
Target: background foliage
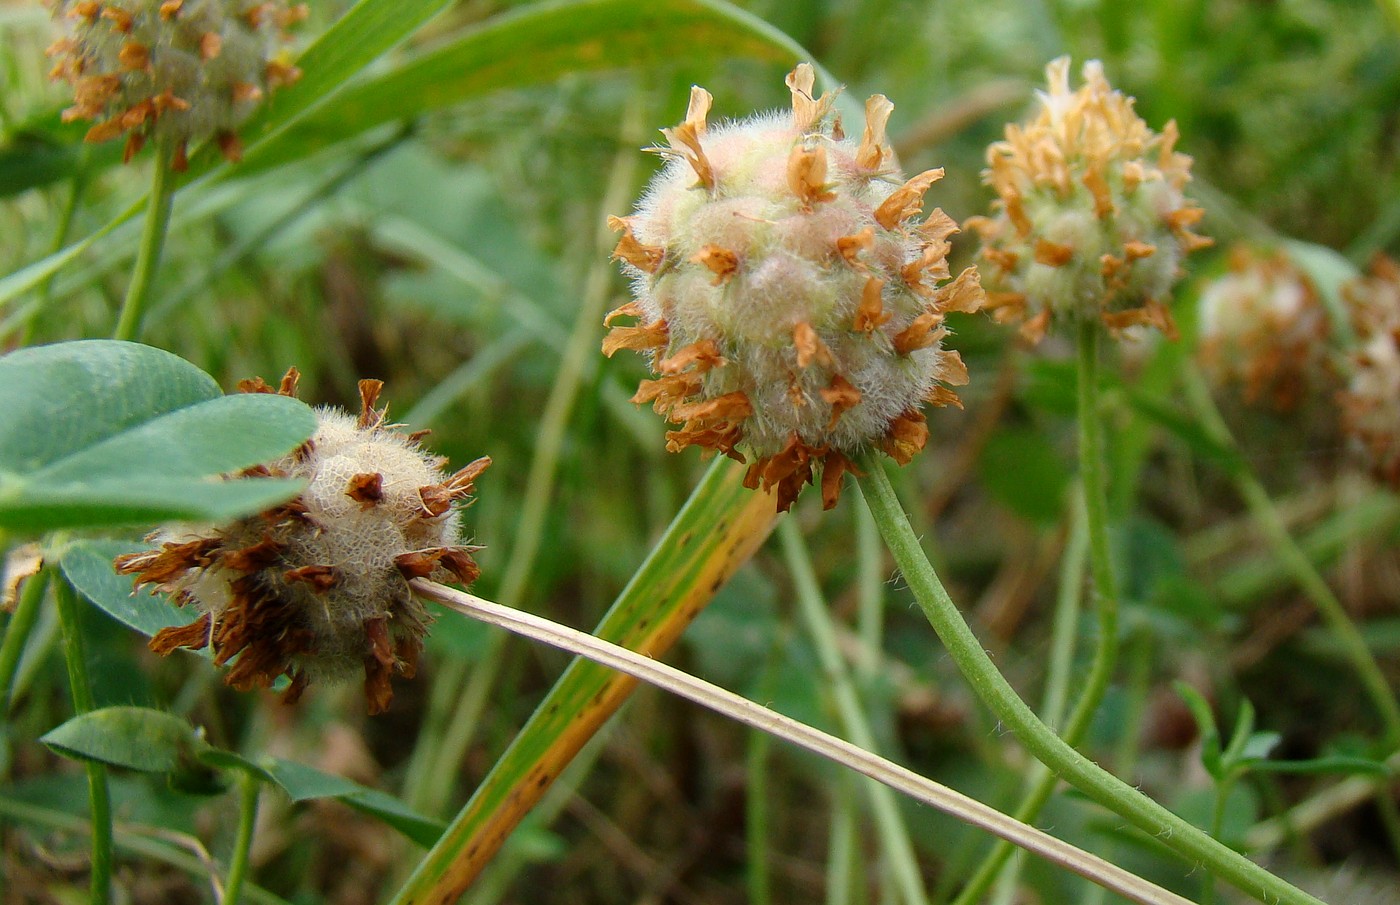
[{"x": 438, "y": 224}]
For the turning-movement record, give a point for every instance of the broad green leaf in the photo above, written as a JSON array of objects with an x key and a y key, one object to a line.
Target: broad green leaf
[
  {"x": 716, "y": 532},
  {"x": 532, "y": 46},
  {"x": 87, "y": 565},
  {"x": 303, "y": 783},
  {"x": 137, "y": 738},
  {"x": 104, "y": 433},
  {"x": 1023, "y": 470}
]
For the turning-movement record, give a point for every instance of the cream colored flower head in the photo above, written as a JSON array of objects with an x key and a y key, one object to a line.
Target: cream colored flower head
[
  {"x": 1263, "y": 330},
  {"x": 318, "y": 588},
  {"x": 183, "y": 70},
  {"x": 1090, "y": 219},
  {"x": 1371, "y": 402},
  {"x": 788, "y": 294}
]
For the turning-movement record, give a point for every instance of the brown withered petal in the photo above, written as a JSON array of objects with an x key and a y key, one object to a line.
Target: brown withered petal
[
  {"x": 907, "y": 435},
  {"x": 810, "y": 348},
  {"x": 643, "y": 257},
  {"x": 647, "y": 336},
  {"x": 721, "y": 262},
  {"x": 366, "y": 489},
  {"x": 907, "y": 200},
  {"x": 194, "y": 636},
  {"x": 320, "y": 578}
]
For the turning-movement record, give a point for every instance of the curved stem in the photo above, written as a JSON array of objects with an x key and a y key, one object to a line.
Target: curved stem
[
  {"x": 152, "y": 241},
  {"x": 731, "y": 705},
  {"x": 1271, "y": 524},
  {"x": 972, "y": 660},
  {"x": 1105, "y": 597},
  {"x": 248, "y": 789},
  {"x": 17, "y": 631},
  {"x": 99, "y": 797}
]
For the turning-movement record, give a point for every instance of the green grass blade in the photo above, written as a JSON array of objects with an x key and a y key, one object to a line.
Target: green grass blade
[
  {"x": 534, "y": 46},
  {"x": 719, "y": 528}
]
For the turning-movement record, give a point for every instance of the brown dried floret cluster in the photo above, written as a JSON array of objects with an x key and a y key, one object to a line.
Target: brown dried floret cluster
[
  {"x": 1371, "y": 402},
  {"x": 789, "y": 298},
  {"x": 1091, "y": 220},
  {"x": 183, "y": 70},
  {"x": 319, "y": 587},
  {"x": 1263, "y": 328}
]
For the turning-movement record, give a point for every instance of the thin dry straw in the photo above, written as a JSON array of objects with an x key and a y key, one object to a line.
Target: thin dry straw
[{"x": 968, "y": 810}]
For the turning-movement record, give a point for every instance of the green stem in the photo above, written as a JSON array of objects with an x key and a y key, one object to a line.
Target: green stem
[
  {"x": 894, "y": 834},
  {"x": 99, "y": 797},
  {"x": 967, "y": 652},
  {"x": 152, "y": 241},
  {"x": 1296, "y": 562},
  {"x": 60, "y": 238},
  {"x": 17, "y": 632},
  {"x": 756, "y": 830},
  {"x": 1105, "y": 597},
  {"x": 248, "y": 789},
  {"x": 841, "y": 863},
  {"x": 870, "y": 620}
]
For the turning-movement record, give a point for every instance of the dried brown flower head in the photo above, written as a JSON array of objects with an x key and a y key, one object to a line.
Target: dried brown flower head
[
  {"x": 1263, "y": 328},
  {"x": 318, "y": 587},
  {"x": 1090, "y": 218},
  {"x": 1371, "y": 401},
  {"x": 184, "y": 70}
]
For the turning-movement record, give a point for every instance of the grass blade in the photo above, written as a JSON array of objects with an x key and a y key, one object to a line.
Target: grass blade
[{"x": 719, "y": 528}]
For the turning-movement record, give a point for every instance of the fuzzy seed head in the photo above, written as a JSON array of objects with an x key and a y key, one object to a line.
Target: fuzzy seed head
[
  {"x": 179, "y": 70},
  {"x": 788, "y": 295},
  {"x": 1371, "y": 402},
  {"x": 318, "y": 587},
  {"x": 1090, "y": 219},
  {"x": 1264, "y": 330}
]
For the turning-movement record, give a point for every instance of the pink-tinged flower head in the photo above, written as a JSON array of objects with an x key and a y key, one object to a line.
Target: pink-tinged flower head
[
  {"x": 788, "y": 294},
  {"x": 1371, "y": 402}
]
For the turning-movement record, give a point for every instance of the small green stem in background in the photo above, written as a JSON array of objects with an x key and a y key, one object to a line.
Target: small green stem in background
[
  {"x": 152, "y": 241},
  {"x": 60, "y": 238},
  {"x": 99, "y": 797},
  {"x": 1272, "y": 526},
  {"x": 249, "y": 787},
  {"x": 889, "y": 823},
  {"x": 1105, "y": 597},
  {"x": 758, "y": 880},
  {"x": 17, "y": 631},
  {"x": 988, "y": 683}
]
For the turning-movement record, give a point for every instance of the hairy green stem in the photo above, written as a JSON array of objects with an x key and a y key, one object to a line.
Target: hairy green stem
[
  {"x": 152, "y": 241},
  {"x": 249, "y": 788},
  {"x": 99, "y": 797},
  {"x": 967, "y": 652},
  {"x": 17, "y": 631},
  {"x": 1105, "y": 597},
  {"x": 889, "y": 822},
  {"x": 1296, "y": 562}
]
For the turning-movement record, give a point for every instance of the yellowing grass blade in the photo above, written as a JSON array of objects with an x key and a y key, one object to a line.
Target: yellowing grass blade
[{"x": 716, "y": 532}]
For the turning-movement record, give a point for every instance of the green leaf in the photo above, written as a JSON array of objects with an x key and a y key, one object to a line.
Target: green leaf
[
  {"x": 303, "y": 783},
  {"x": 87, "y": 565},
  {"x": 137, "y": 738},
  {"x": 102, "y": 433},
  {"x": 1185, "y": 429},
  {"x": 533, "y": 46},
  {"x": 1205, "y": 722},
  {"x": 1022, "y": 469}
]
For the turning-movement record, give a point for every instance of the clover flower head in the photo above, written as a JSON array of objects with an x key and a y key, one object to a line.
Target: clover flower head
[
  {"x": 318, "y": 587},
  {"x": 182, "y": 70},
  {"x": 787, "y": 293},
  {"x": 1371, "y": 401},
  {"x": 1264, "y": 329},
  {"x": 1090, "y": 219}
]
